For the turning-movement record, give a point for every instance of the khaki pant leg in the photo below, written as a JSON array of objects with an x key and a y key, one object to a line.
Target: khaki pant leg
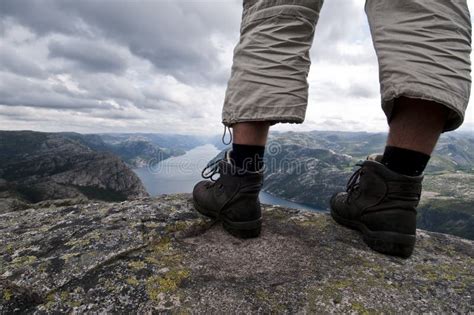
[
  {"x": 423, "y": 48},
  {"x": 271, "y": 62}
]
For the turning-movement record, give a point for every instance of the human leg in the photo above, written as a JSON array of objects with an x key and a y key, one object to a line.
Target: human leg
[
  {"x": 267, "y": 85},
  {"x": 248, "y": 145},
  {"x": 423, "y": 51},
  {"x": 414, "y": 130}
]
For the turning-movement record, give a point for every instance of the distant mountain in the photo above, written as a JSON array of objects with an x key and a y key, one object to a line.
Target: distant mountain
[
  {"x": 137, "y": 150},
  {"x": 455, "y": 150},
  {"x": 304, "y": 167},
  {"x": 169, "y": 141},
  {"x": 447, "y": 203},
  {"x": 36, "y": 166},
  {"x": 303, "y": 173},
  {"x": 308, "y": 167}
]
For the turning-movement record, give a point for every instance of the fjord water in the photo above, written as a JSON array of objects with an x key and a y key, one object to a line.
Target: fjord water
[{"x": 180, "y": 174}]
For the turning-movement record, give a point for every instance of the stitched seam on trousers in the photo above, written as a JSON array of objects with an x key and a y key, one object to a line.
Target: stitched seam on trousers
[
  {"x": 419, "y": 91},
  {"x": 276, "y": 11},
  {"x": 261, "y": 5},
  {"x": 278, "y": 119}
]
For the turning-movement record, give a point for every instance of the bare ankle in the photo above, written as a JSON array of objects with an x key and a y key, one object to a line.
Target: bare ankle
[
  {"x": 416, "y": 124},
  {"x": 251, "y": 133}
]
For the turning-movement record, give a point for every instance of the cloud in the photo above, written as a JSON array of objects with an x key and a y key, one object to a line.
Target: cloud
[
  {"x": 12, "y": 62},
  {"x": 342, "y": 34},
  {"x": 162, "y": 66},
  {"x": 175, "y": 36},
  {"x": 88, "y": 55},
  {"x": 42, "y": 17}
]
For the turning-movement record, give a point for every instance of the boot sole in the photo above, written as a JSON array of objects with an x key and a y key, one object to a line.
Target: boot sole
[
  {"x": 239, "y": 229},
  {"x": 385, "y": 242}
]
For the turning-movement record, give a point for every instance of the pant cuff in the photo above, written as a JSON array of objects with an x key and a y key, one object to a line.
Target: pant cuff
[
  {"x": 282, "y": 114},
  {"x": 454, "y": 102}
]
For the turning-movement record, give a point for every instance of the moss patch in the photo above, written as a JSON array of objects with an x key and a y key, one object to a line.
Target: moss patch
[
  {"x": 317, "y": 222},
  {"x": 132, "y": 281},
  {"x": 9, "y": 249},
  {"x": 7, "y": 295},
  {"x": 162, "y": 255},
  {"x": 168, "y": 283},
  {"x": 360, "y": 308},
  {"x": 264, "y": 296},
  {"x": 446, "y": 272},
  {"x": 136, "y": 264},
  {"x": 23, "y": 261},
  {"x": 177, "y": 226}
]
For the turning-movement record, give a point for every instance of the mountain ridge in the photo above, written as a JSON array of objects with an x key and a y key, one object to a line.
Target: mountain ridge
[
  {"x": 35, "y": 167},
  {"x": 304, "y": 167}
]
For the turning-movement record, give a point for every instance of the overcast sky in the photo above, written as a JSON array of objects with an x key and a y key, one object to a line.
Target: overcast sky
[{"x": 162, "y": 66}]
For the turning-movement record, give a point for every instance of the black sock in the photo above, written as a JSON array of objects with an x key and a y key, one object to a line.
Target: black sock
[
  {"x": 405, "y": 161},
  {"x": 248, "y": 157}
]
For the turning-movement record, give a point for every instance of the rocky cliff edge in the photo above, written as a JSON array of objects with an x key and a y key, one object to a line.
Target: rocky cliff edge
[{"x": 158, "y": 254}]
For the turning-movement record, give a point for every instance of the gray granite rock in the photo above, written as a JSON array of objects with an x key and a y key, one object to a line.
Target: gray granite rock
[{"x": 158, "y": 254}]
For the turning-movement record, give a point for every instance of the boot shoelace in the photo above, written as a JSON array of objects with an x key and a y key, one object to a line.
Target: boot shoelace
[
  {"x": 353, "y": 182},
  {"x": 210, "y": 170}
]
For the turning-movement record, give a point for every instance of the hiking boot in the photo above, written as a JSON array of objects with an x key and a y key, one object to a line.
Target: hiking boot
[
  {"x": 382, "y": 205},
  {"x": 232, "y": 198}
]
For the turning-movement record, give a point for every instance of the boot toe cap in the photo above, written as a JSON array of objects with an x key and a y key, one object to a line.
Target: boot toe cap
[{"x": 199, "y": 190}]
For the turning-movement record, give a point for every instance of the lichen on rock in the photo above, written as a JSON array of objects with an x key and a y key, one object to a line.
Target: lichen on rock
[{"x": 158, "y": 254}]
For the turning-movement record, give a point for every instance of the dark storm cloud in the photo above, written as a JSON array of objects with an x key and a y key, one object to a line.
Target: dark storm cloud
[
  {"x": 173, "y": 35},
  {"x": 156, "y": 63},
  {"x": 88, "y": 55},
  {"x": 73, "y": 54}
]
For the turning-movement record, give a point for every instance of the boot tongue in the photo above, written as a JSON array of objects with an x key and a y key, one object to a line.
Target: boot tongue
[
  {"x": 226, "y": 157},
  {"x": 223, "y": 155},
  {"x": 227, "y": 168},
  {"x": 376, "y": 157},
  {"x": 386, "y": 171}
]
